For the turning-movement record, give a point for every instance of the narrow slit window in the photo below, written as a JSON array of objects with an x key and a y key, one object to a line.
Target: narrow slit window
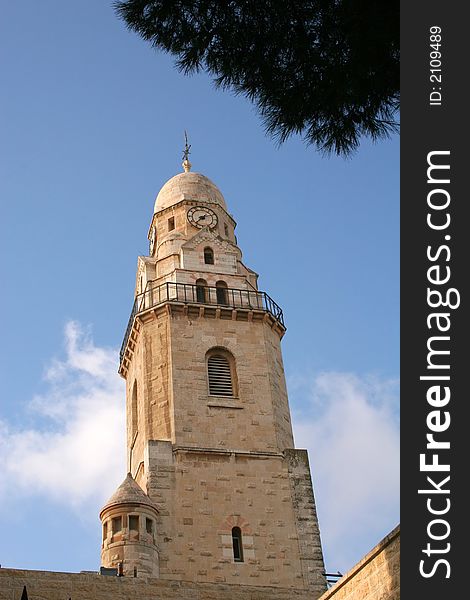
[
  {"x": 134, "y": 409},
  {"x": 105, "y": 530},
  {"x": 220, "y": 376},
  {"x": 171, "y": 223},
  {"x": 226, "y": 229},
  {"x": 149, "y": 525},
  {"x": 208, "y": 256},
  {"x": 237, "y": 544}
]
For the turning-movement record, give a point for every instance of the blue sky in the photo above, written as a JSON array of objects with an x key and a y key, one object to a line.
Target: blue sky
[{"x": 92, "y": 123}]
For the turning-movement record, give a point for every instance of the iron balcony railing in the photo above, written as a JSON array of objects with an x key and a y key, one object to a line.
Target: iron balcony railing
[{"x": 197, "y": 294}]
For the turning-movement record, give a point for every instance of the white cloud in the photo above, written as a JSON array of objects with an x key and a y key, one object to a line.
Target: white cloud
[
  {"x": 351, "y": 432},
  {"x": 75, "y": 454}
]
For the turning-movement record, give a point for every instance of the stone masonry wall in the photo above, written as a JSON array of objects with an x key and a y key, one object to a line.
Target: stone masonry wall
[
  {"x": 306, "y": 519},
  {"x": 45, "y": 585},
  {"x": 277, "y": 384},
  {"x": 201, "y": 495},
  {"x": 258, "y": 418},
  {"x": 375, "y": 577},
  {"x": 169, "y": 368},
  {"x": 150, "y": 368}
]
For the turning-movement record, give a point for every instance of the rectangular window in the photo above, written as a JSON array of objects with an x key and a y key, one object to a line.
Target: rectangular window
[
  {"x": 116, "y": 524},
  {"x": 105, "y": 530},
  {"x": 133, "y": 522},
  {"x": 226, "y": 229},
  {"x": 149, "y": 525},
  {"x": 171, "y": 223}
]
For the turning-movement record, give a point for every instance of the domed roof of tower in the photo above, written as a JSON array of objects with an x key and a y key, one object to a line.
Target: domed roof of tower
[
  {"x": 129, "y": 492},
  {"x": 188, "y": 186}
]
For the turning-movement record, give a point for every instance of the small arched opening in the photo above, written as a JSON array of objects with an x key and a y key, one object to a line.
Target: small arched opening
[
  {"x": 208, "y": 256},
  {"x": 201, "y": 285},
  {"x": 237, "y": 544},
  {"x": 221, "y": 292}
]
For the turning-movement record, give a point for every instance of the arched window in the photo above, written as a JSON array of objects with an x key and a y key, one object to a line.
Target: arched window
[
  {"x": 201, "y": 290},
  {"x": 208, "y": 256},
  {"x": 221, "y": 292},
  {"x": 237, "y": 544},
  {"x": 221, "y": 373},
  {"x": 134, "y": 409}
]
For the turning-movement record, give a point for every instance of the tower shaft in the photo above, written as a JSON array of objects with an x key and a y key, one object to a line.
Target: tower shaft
[{"x": 209, "y": 432}]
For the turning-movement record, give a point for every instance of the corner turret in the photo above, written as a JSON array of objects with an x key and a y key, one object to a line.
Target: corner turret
[{"x": 129, "y": 528}]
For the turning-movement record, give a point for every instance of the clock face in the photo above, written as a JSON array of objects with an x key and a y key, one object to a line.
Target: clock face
[{"x": 200, "y": 216}]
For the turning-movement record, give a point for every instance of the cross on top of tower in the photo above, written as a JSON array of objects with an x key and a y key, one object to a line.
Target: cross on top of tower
[{"x": 186, "y": 164}]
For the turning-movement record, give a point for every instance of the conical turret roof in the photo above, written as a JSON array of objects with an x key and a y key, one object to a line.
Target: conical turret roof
[{"x": 129, "y": 492}]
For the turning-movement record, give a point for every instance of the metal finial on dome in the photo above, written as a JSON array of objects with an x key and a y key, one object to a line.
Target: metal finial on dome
[{"x": 186, "y": 164}]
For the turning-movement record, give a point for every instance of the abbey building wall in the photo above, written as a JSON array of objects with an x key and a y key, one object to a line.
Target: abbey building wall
[
  {"x": 46, "y": 585},
  {"x": 375, "y": 577}
]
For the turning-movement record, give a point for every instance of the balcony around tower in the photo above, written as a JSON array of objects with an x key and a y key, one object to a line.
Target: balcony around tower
[{"x": 239, "y": 304}]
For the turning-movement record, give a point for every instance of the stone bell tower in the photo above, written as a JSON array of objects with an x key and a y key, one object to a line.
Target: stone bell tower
[{"x": 209, "y": 433}]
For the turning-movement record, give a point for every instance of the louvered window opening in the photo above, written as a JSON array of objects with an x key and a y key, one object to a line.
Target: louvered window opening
[{"x": 220, "y": 376}]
